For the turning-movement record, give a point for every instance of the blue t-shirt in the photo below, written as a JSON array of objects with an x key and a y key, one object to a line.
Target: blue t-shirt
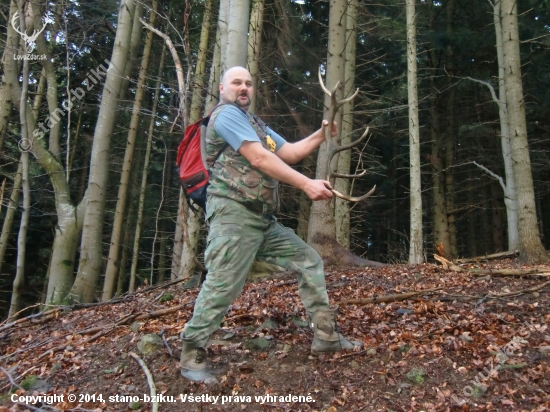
[{"x": 233, "y": 126}]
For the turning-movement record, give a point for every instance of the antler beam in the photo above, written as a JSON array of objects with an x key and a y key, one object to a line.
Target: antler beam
[{"x": 333, "y": 147}]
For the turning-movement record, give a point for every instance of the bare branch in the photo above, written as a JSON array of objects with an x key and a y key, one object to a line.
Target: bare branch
[
  {"x": 177, "y": 62},
  {"x": 492, "y": 174}
]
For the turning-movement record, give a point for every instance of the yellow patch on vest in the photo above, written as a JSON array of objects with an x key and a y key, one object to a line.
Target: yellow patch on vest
[{"x": 271, "y": 143}]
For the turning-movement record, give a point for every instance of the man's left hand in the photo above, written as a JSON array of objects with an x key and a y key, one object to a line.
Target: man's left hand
[{"x": 334, "y": 130}]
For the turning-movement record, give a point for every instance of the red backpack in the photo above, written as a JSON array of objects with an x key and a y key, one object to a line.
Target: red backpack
[{"x": 191, "y": 160}]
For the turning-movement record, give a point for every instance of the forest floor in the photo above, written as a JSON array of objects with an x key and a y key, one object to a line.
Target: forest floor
[{"x": 472, "y": 344}]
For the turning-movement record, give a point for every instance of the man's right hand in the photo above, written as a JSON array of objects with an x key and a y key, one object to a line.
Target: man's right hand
[{"x": 318, "y": 189}]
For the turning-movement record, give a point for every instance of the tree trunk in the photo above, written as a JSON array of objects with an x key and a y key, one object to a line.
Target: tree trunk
[
  {"x": 255, "y": 45},
  {"x": 237, "y": 33},
  {"x": 441, "y": 224},
  {"x": 6, "y": 98},
  {"x": 222, "y": 36},
  {"x": 510, "y": 187},
  {"x": 213, "y": 90},
  {"x": 416, "y": 253},
  {"x": 143, "y": 187},
  {"x": 342, "y": 207},
  {"x": 530, "y": 245},
  {"x": 113, "y": 261},
  {"x": 19, "y": 281},
  {"x": 450, "y": 132},
  {"x": 188, "y": 221},
  {"x": 10, "y": 213},
  {"x": 91, "y": 247},
  {"x": 322, "y": 226}
]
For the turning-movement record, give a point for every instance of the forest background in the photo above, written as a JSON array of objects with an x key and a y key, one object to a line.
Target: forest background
[{"x": 91, "y": 201}]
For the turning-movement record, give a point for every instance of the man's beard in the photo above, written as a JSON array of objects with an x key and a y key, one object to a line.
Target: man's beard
[{"x": 238, "y": 102}]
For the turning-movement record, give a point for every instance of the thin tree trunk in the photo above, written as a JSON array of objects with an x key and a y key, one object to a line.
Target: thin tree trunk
[
  {"x": 10, "y": 213},
  {"x": 213, "y": 91},
  {"x": 200, "y": 67},
  {"x": 441, "y": 224},
  {"x": 11, "y": 48},
  {"x": 449, "y": 140},
  {"x": 530, "y": 245},
  {"x": 112, "y": 264},
  {"x": 254, "y": 45},
  {"x": 91, "y": 247},
  {"x": 416, "y": 253},
  {"x": 342, "y": 207},
  {"x": 143, "y": 187},
  {"x": 19, "y": 281}
]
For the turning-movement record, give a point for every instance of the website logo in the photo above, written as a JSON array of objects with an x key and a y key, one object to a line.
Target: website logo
[{"x": 30, "y": 40}]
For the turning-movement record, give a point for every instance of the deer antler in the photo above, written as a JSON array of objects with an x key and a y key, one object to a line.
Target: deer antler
[{"x": 334, "y": 148}]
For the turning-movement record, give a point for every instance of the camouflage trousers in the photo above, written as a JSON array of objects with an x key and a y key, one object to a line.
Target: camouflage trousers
[{"x": 236, "y": 237}]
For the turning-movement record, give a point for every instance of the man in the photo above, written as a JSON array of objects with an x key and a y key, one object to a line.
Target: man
[{"x": 247, "y": 160}]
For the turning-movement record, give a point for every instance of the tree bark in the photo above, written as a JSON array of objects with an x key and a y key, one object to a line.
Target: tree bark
[
  {"x": 113, "y": 260},
  {"x": 342, "y": 207},
  {"x": 11, "y": 48},
  {"x": 449, "y": 141},
  {"x": 223, "y": 31},
  {"x": 322, "y": 226},
  {"x": 10, "y": 214},
  {"x": 530, "y": 245},
  {"x": 416, "y": 252},
  {"x": 19, "y": 281},
  {"x": 510, "y": 186},
  {"x": 143, "y": 187},
  {"x": 91, "y": 247},
  {"x": 188, "y": 223},
  {"x": 237, "y": 33},
  {"x": 255, "y": 45}
]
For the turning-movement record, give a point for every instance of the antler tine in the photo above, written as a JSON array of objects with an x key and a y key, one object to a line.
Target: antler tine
[
  {"x": 349, "y": 99},
  {"x": 345, "y": 176},
  {"x": 352, "y": 198},
  {"x": 323, "y": 85},
  {"x": 352, "y": 144}
]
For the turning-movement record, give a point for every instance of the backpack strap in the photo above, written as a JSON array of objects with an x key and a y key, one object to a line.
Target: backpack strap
[{"x": 204, "y": 125}]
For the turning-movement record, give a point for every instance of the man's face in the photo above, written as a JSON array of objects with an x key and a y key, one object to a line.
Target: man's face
[{"x": 236, "y": 87}]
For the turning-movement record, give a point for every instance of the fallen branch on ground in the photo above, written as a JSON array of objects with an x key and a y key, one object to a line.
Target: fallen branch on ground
[
  {"x": 150, "y": 380},
  {"x": 509, "y": 253},
  {"x": 386, "y": 298},
  {"x": 447, "y": 264},
  {"x": 106, "y": 329}
]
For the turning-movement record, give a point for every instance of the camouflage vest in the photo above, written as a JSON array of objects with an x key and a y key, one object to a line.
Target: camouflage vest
[{"x": 232, "y": 176}]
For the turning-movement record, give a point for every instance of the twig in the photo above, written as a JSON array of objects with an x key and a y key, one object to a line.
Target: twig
[
  {"x": 387, "y": 298},
  {"x": 519, "y": 292},
  {"x": 150, "y": 381},
  {"x": 10, "y": 378},
  {"x": 161, "y": 334}
]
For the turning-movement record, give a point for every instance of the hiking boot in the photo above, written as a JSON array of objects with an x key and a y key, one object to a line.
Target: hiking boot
[
  {"x": 193, "y": 364},
  {"x": 325, "y": 335}
]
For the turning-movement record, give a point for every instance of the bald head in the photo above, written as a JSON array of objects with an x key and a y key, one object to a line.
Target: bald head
[{"x": 236, "y": 87}]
